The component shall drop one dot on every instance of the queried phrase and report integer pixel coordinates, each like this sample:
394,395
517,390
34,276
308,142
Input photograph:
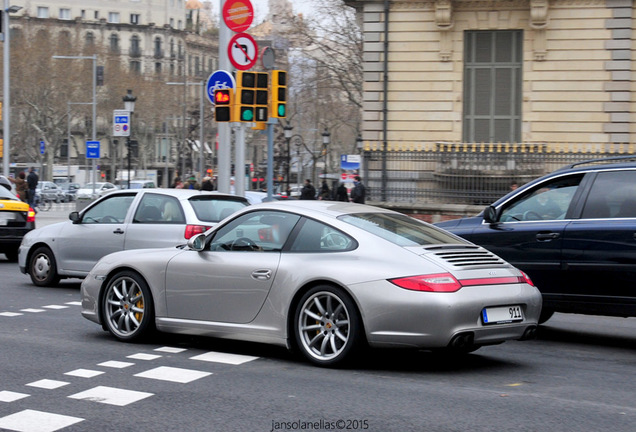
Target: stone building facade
554,72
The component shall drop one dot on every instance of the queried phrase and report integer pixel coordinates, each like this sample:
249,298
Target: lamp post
129,105
6,88
326,139
287,130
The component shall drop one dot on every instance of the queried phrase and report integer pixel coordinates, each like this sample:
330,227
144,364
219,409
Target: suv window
613,195
549,201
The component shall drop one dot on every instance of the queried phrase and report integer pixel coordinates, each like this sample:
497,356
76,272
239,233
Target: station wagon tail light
31,215
442,282
192,230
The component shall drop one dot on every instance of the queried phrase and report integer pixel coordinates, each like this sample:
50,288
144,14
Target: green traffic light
247,114
281,110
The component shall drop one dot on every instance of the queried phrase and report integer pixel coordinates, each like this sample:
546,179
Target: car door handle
118,231
547,236
262,274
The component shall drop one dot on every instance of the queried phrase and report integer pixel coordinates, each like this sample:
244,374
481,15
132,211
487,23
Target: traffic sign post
121,123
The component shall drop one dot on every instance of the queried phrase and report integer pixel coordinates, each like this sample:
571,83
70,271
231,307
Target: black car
573,232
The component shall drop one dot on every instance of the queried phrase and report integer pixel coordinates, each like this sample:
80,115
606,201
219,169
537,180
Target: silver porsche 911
322,277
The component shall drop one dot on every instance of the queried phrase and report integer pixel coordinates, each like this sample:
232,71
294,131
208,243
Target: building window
114,43
83,14
492,86
197,66
171,22
134,18
90,39
96,14
135,66
135,46
43,12
158,68
171,69
65,14
158,47
113,17
180,26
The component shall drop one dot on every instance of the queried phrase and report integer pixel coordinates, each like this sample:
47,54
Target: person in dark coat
32,182
308,192
359,192
325,192
341,193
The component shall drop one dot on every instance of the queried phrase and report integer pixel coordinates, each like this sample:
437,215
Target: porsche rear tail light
526,278
441,282
192,230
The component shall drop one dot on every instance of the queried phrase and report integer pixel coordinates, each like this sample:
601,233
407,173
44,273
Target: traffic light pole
224,162
239,160
270,157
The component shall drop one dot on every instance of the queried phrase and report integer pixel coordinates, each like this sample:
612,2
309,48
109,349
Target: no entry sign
242,51
238,15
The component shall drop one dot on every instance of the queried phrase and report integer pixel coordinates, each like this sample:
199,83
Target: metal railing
467,173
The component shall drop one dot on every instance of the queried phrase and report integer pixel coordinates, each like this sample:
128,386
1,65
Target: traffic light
279,94
245,96
223,104
261,99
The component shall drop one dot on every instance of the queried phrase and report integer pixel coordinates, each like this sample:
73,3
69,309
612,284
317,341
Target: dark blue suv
573,232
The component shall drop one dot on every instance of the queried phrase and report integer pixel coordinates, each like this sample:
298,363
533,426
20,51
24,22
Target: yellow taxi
16,219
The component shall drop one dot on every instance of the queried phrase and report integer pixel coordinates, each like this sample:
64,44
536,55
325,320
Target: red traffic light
222,96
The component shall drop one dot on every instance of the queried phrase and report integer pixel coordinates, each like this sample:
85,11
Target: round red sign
238,15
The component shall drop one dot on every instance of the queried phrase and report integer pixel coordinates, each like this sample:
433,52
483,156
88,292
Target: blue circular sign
219,79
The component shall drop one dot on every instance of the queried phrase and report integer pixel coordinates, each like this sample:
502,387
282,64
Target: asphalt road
62,372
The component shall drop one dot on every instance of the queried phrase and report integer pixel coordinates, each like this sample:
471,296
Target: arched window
114,43
158,47
172,53
90,39
135,46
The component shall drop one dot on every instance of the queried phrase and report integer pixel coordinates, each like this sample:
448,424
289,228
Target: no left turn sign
242,51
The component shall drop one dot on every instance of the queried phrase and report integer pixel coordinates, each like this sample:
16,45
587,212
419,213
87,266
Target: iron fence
474,174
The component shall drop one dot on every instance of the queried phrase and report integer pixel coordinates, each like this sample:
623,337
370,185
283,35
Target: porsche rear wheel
127,308
327,326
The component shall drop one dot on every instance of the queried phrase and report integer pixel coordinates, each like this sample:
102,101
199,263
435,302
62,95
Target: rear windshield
215,209
400,229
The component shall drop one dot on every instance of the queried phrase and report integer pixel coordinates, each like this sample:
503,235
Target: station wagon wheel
43,268
127,308
327,326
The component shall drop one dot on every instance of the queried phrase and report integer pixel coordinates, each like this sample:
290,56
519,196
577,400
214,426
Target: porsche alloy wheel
327,326
127,306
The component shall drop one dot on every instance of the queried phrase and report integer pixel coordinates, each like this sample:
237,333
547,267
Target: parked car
88,191
573,231
320,276
16,219
125,219
49,191
140,184
70,190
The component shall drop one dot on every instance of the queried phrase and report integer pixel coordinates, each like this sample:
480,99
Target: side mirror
75,217
197,243
490,214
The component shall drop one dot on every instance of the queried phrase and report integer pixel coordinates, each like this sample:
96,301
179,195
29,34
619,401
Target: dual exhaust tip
465,341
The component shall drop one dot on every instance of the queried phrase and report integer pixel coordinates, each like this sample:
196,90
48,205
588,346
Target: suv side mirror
490,214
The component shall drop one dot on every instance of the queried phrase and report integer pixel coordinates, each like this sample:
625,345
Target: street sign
242,51
42,147
92,149
121,123
238,15
218,80
350,162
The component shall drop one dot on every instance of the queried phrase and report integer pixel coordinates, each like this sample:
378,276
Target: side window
258,231
317,237
109,211
613,195
548,201
159,209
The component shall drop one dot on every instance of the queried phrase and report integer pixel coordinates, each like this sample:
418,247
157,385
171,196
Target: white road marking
37,421
172,374
217,357
111,396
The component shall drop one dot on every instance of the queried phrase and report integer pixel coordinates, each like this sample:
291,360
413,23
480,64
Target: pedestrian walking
325,192
21,186
341,193
358,194
32,182
308,192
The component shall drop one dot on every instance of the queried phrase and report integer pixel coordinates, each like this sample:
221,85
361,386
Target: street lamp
359,143
287,130
129,105
6,89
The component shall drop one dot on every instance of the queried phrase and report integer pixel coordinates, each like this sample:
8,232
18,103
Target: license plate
5,218
501,315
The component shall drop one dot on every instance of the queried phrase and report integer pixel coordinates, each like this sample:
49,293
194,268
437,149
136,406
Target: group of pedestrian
358,193
25,186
